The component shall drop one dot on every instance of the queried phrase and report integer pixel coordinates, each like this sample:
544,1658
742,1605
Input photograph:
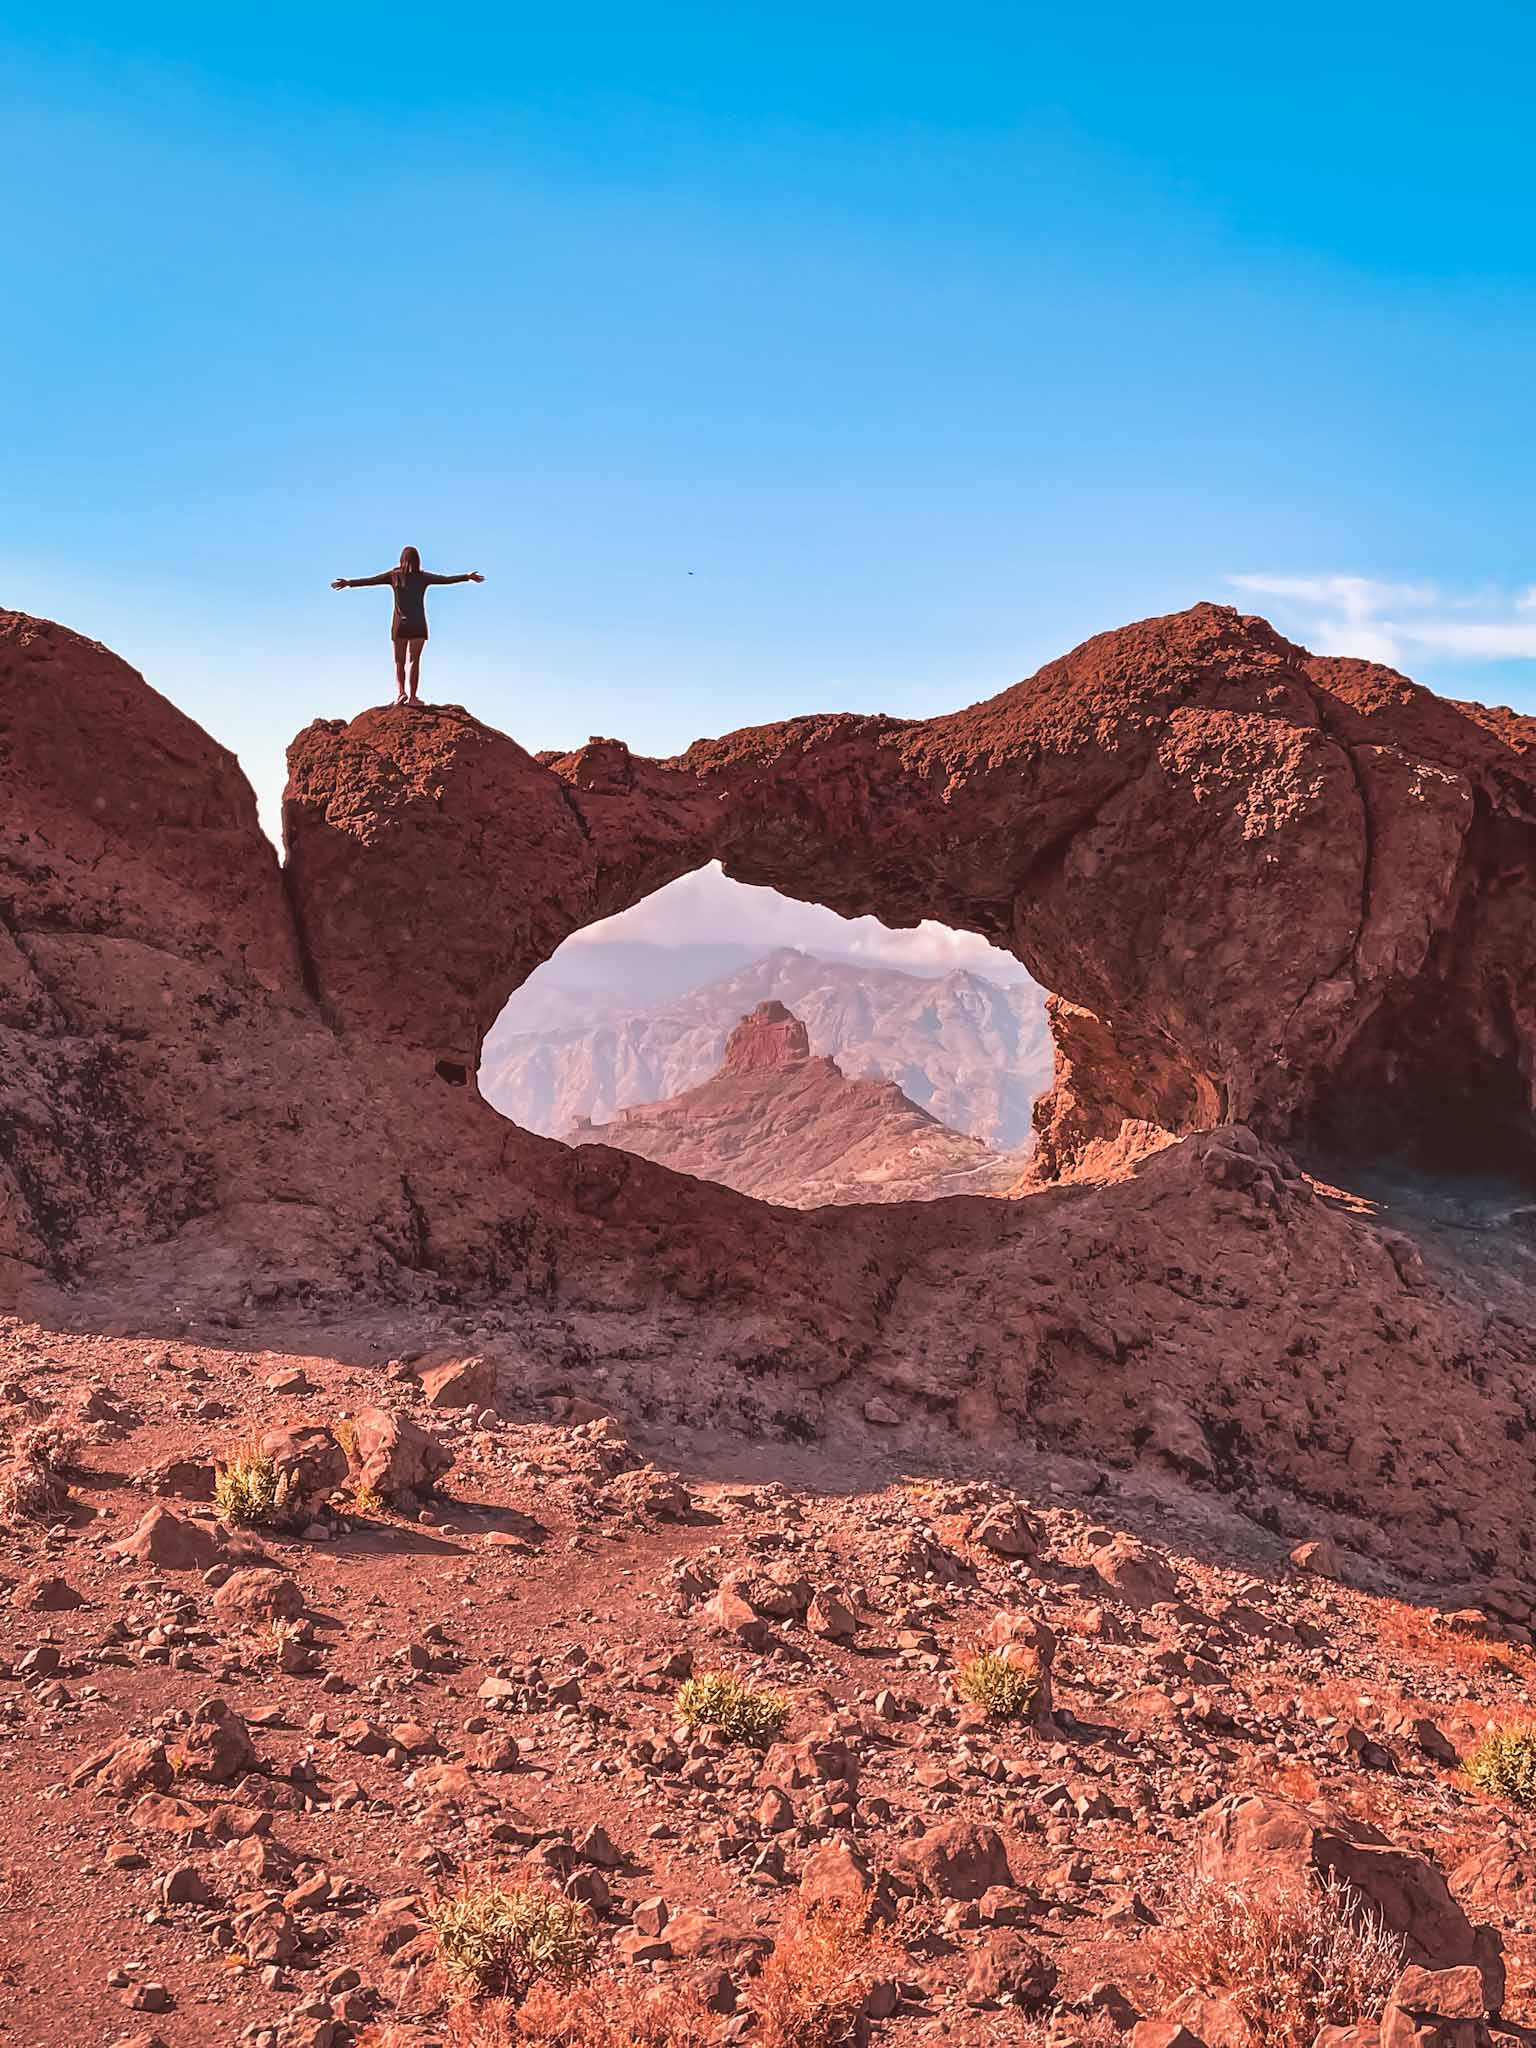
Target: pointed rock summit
771,1036
777,1122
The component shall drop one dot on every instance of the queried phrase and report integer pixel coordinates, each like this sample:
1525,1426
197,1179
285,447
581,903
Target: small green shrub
713,1699
251,1491
1003,1688
1504,1763
501,1941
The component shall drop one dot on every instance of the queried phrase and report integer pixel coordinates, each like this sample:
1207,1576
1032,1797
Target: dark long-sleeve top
410,587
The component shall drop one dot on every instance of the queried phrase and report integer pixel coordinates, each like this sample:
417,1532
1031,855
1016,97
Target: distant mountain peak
772,1036
778,1122
970,1052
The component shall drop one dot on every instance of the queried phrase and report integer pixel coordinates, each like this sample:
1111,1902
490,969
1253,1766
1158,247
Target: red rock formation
158,1047
775,1123
771,1037
1272,890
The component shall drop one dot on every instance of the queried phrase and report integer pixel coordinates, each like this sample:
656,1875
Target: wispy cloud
707,906
1394,622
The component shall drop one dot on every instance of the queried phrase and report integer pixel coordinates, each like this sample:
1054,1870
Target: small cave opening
454,1072
741,1036
1415,1092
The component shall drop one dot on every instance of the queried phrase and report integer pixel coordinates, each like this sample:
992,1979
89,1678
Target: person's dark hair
410,558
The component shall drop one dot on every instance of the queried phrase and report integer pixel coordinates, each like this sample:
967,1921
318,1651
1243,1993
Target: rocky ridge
972,1053
776,1123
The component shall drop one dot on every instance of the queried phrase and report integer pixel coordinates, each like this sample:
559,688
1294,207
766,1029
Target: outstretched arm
360,582
474,576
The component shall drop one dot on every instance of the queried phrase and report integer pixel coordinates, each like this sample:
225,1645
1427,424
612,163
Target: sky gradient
764,359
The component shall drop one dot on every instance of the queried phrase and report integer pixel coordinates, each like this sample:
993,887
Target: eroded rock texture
163,1062
1274,894
1266,887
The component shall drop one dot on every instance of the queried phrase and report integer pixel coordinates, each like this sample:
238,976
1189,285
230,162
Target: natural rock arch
1266,887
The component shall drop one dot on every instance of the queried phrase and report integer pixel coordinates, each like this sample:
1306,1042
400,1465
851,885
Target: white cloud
1489,640
1394,622
707,906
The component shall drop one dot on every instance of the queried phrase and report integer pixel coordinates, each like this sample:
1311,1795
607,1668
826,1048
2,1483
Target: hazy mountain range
598,1035
777,1122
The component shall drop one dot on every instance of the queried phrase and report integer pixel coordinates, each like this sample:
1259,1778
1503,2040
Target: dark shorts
409,629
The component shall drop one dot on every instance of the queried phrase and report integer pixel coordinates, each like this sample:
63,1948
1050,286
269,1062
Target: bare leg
399,671
415,646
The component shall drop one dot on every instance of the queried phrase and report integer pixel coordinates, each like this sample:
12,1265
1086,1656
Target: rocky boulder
1007,1531
460,1383
395,1456
258,1595
956,1860
309,1461
215,1745
1006,1966
1134,1574
1257,1842
170,1543
1437,2009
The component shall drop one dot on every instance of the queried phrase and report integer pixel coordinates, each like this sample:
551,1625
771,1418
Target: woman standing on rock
408,629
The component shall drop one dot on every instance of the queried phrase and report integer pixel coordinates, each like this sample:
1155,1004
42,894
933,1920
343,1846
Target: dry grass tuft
607,2012
1504,1763
1004,1689
816,1983
618,2012
250,1491
1289,1964
713,1699
500,1941
33,1482
1420,1635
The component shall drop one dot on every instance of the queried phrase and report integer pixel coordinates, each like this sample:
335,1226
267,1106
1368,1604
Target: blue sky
764,359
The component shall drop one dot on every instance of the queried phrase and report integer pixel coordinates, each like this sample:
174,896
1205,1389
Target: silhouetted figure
408,628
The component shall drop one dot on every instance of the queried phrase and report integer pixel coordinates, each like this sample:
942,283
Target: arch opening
779,1049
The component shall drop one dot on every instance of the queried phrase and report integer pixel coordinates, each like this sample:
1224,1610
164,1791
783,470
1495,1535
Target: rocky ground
241,1765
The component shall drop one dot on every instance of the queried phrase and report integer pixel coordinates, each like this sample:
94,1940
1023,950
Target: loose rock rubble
243,1764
